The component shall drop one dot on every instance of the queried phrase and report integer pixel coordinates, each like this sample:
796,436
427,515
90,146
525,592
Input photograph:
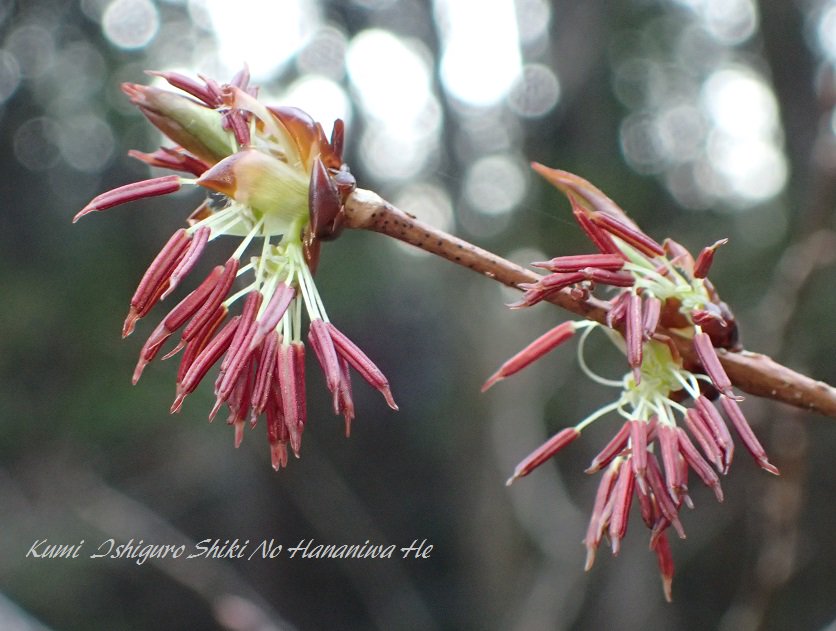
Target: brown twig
753,373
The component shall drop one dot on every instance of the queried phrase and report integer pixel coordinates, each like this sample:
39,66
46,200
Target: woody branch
753,373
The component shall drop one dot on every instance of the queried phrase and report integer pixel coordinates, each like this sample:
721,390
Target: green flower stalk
277,184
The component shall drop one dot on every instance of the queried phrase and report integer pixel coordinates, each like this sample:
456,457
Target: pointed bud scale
534,351
323,200
705,258
719,431
665,559
698,463
711,363
301,128
349,351
195,127
623,498
337,139
204,361
633,335
629,234
576,263
638,447
596,522
271,187
543,453
131,192
611,450
732,410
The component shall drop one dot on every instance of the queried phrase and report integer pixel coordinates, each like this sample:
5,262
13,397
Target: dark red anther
711,363
198,243
349,351
273,312
733,411
131,192
629,234
634,335
156,279
326,354
207,310
543,453
265,376
239,352
346,402
323,200
638,447
609,277
651,310
235,121
174,320
670,453
599,238
698,463
167,158
199,342
290,381
599,519
663,499
622,499
705,258
577,262
719,431
665,559
534,351
703,435
611,450
553,282
204,361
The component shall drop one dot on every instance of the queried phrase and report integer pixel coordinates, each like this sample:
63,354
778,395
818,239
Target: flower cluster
659,289
269,174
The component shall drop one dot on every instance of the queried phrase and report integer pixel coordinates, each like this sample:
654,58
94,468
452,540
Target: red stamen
611,450
698,463
609,277
633,335
665,559
543,453
349,351
577,262
699,430
629,234
265,377
598,520
623,498
711,363
534,351
198,243
718,429
638,447
733,411
131,192
706,258
650,316
207,310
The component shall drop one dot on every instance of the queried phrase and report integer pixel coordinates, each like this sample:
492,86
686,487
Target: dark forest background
703,119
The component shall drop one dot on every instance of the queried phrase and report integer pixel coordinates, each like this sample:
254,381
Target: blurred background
703,118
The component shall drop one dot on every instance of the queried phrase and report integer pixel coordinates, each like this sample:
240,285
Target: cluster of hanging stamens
660,289
269,174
